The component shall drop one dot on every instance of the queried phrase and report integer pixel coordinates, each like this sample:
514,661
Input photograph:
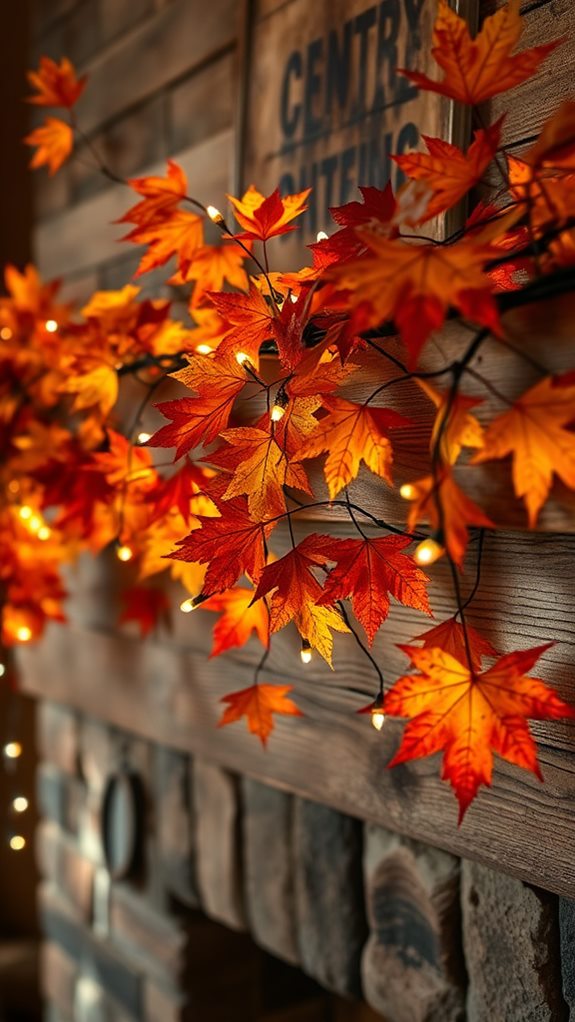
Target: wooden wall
163,83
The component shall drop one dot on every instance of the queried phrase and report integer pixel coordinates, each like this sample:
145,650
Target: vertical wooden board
325,106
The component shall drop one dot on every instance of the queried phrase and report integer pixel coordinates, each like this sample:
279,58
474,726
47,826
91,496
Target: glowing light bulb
407,491
35,523
23,633
322,236
305,652
428,551
294,299
214,215
124,552
44,533
5,333
242,358
25,512
144,437
277,413
20,804
17,842
204,349
377,719
12,750
187,606
2,670
377,714
51,326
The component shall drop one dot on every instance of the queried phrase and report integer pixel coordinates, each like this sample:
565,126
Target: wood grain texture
61,243
329,755
184,35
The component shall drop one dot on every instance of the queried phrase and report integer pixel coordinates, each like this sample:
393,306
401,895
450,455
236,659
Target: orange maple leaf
55,141
450,637
178,233
369,571
415,284
447,171
469,716
261,470
459,511
231,545
534,432
264,218
160,195
460,429
258,703
57,84
477,69
96,388
213,266
352,433
240,617
249,321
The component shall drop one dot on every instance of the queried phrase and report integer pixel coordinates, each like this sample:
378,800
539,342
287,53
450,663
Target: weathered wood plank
61,242
184,35
329,755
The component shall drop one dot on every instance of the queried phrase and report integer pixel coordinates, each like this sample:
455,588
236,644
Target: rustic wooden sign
325,107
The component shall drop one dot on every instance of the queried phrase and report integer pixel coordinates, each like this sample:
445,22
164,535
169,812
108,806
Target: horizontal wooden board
184,35
330,755
86,235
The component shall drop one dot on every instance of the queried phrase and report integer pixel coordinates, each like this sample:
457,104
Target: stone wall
414,933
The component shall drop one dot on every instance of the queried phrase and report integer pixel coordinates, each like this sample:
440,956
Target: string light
204,349
186,606
20,804
428,551
377,714
124,552
242,358
214,215
2,670
23,633
51,326
322,236
25,512
277,413
144,437
44,532
12,750
305,652
17,842
408,491
5,333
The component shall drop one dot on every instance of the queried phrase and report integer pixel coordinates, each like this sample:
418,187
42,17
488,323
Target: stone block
60,862
155,942
60,797
567,934
411,965
268,868
331,923
511,941
58,736
58,975
174,824
217,844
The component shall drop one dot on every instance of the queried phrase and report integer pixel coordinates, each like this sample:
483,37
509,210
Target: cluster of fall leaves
246,427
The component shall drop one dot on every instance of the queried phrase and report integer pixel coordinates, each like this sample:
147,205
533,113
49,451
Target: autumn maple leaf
239,618
352,433
369,571
258,703
469,716
458,511
415,284
194,421
55,141
261,470
534,432
450,636
454,426
213,266
448,171
180,490
95,388
160,195
177,233
477,69
124,463
232,545
264,218
249,321
147,606
57,84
